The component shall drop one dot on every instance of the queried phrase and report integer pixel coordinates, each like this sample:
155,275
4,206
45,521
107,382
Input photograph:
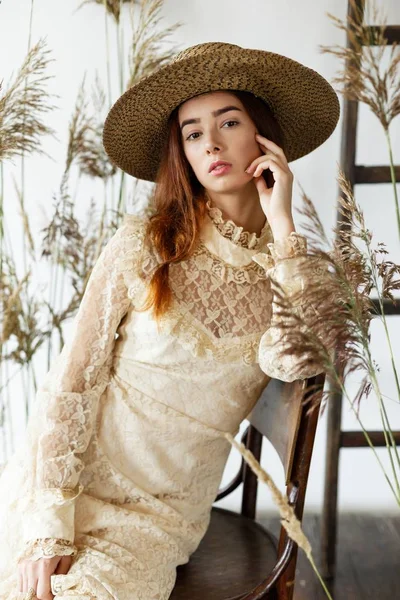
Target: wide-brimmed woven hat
302,101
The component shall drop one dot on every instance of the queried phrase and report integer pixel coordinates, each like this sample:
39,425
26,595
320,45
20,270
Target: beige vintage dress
125,448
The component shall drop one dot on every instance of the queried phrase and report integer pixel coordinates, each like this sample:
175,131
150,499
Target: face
215,126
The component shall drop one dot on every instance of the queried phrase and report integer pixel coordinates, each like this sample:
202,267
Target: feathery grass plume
337,314
22,335
8,144
74,247
113,7
20,311
146,53
82,245
23,105
384,277
332,312
297,327
362,78
79,249
63,241
92,158
10,300
81,126
327,324
63,222
387,270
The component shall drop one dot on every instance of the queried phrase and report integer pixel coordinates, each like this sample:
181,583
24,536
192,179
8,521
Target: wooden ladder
336,438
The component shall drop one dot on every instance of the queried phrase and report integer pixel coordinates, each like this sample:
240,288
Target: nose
212,142
213,148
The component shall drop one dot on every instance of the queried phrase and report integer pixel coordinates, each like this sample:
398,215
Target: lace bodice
223,308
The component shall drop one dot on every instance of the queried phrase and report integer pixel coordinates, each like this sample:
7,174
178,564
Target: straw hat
302,101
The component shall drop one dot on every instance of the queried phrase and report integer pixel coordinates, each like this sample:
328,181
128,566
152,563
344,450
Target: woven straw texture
303,102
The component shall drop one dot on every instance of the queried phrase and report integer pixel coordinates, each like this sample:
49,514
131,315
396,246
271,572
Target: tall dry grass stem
362,76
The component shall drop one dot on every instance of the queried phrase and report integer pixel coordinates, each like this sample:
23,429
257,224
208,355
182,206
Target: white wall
295,29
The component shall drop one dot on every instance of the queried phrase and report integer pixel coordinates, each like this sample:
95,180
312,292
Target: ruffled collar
229,242
236,233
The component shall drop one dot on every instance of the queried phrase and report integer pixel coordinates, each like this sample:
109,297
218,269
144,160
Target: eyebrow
215,113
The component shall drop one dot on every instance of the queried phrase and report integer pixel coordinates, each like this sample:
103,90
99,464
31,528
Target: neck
241,206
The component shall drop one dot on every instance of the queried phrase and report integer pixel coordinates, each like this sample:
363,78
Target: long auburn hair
179,199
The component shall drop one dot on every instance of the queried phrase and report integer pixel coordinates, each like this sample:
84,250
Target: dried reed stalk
113,7
24,104
146,52
288,519
362,77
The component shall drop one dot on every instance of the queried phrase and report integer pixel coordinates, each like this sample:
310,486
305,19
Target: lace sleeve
47,548
283,264
65,407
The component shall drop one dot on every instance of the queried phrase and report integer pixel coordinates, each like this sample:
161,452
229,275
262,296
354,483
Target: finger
20,583
24,578
268,164
20,578
43,585
261,185
63,566
260,159
32,582
269,144
31,575
275,166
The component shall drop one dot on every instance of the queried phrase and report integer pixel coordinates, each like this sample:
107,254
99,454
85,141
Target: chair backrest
277,416
283,415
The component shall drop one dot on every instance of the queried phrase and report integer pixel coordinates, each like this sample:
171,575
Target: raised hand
276,201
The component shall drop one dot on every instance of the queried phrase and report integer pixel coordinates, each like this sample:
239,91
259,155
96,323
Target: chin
230,183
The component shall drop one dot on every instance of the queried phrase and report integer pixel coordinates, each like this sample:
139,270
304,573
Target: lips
218,163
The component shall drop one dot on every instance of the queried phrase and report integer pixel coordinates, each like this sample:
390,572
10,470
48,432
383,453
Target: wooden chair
238,559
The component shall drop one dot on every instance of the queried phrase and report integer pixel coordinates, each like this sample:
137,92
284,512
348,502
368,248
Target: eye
231,122
196,132
190,136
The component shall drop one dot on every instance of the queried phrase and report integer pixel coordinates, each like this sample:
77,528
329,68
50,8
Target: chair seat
234,556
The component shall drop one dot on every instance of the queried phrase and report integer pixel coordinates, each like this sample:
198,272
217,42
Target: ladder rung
390,32
375,174
388,306
356,439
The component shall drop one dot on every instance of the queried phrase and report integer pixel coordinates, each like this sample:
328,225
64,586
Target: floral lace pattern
47,548
66,403
295,245
227,301
235,233
125,447
218,309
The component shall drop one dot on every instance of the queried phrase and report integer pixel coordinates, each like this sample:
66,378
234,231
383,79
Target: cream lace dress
125,449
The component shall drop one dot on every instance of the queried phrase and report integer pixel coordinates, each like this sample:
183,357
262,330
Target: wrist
282,228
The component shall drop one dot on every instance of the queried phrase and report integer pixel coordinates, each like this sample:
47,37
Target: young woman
126,446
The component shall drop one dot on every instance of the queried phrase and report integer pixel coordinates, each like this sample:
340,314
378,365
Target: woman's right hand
36,574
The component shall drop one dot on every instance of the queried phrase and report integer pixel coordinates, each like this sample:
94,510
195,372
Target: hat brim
303,102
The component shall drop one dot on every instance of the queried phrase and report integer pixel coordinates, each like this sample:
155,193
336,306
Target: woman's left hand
276,201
